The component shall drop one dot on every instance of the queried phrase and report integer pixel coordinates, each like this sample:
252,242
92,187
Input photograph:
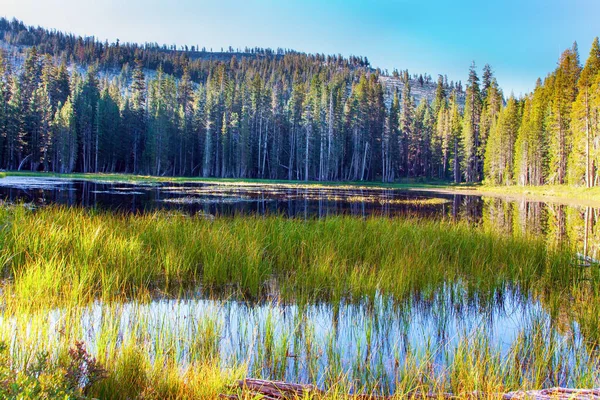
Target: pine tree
65,138
389,148
563,92
456,126
492,103
4,109
472,160
441,142
85,104
500,148
109,126
581,164
15,125
406,128
137,125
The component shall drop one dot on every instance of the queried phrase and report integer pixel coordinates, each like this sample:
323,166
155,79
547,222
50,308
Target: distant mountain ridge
16,38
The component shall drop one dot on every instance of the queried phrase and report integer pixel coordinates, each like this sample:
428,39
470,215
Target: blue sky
521,39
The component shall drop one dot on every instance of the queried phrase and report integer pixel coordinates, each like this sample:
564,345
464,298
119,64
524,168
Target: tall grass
73,256
150,353
73,274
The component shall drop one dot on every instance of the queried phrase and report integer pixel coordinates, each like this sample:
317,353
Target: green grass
545,191
107,256
67,259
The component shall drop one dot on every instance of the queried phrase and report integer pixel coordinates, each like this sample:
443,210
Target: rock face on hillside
419,92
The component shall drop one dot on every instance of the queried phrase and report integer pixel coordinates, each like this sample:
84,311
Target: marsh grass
150,359
59,262
99,255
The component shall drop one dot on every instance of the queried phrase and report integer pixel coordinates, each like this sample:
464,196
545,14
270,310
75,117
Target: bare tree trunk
588,177
259,142
330,135
456,163
292,150
308,132
364,162
264,154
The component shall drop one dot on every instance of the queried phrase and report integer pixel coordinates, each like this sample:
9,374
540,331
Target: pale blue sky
521,39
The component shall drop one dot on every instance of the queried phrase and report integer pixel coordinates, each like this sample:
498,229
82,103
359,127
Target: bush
44,379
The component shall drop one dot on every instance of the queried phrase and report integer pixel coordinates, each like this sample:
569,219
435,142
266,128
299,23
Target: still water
368,342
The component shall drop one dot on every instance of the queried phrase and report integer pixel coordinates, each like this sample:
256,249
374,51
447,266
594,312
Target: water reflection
367,342
561,224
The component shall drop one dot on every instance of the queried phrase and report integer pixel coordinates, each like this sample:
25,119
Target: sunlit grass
107,256
564,192
58,262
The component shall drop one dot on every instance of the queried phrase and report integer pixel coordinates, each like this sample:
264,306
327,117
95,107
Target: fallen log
556,393
277,390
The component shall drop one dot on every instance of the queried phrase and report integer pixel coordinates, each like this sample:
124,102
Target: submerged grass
60,263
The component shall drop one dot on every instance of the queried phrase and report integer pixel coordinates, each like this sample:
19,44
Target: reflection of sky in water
437,325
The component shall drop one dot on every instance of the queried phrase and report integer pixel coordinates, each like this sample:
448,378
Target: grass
546,191
108,256
65,267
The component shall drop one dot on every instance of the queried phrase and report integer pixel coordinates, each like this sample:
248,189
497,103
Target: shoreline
557,194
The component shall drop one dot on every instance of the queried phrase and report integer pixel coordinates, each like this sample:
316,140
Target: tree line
286,115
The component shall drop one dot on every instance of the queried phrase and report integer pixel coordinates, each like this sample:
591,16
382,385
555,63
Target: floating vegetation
204,200
117,192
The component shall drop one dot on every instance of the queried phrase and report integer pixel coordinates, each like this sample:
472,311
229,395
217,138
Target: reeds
105,256
129,287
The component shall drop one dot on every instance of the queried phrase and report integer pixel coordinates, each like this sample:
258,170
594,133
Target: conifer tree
456,127
65,138
137,123
406,127
471,162
563,91
500,148
583,130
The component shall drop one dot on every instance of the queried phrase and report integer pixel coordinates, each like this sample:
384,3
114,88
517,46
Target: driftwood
555,394
274,390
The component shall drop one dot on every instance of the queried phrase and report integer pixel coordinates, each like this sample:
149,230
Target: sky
520,39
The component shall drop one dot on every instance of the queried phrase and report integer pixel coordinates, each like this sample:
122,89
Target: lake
370,342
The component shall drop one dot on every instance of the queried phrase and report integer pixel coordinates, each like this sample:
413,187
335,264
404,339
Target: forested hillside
280,114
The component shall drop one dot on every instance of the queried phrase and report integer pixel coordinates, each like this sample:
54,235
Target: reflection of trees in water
582,230
556,228
498,215
561,225
467,208
572,299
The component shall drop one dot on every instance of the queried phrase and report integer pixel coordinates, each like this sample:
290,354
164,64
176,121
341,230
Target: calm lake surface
307,340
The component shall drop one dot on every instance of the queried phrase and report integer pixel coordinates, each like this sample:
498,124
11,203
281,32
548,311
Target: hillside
16,38
75,104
